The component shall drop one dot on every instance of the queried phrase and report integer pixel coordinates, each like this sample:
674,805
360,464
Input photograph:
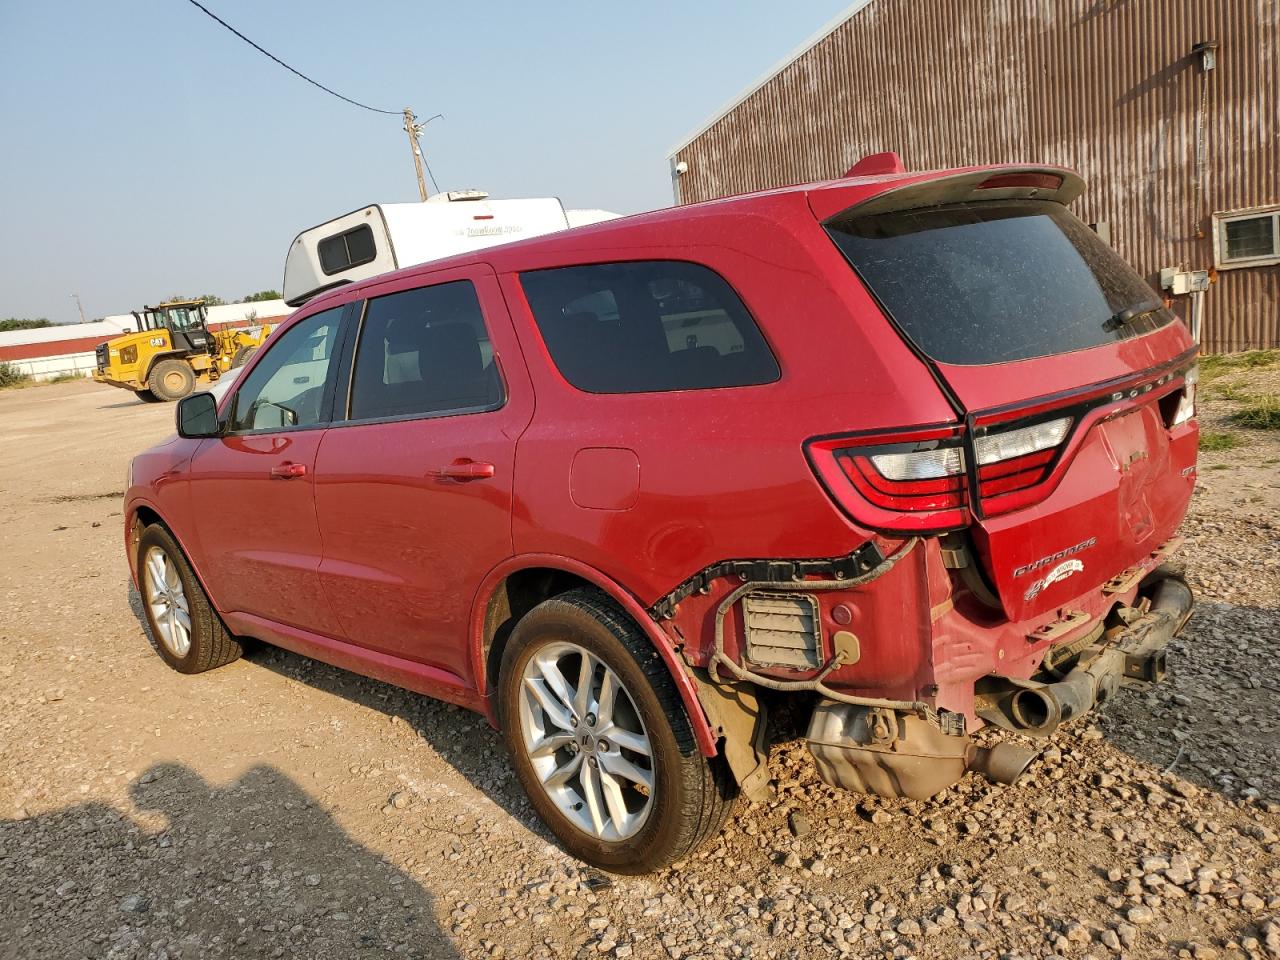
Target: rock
1140,914
1077,932
399,800
1179,870
135,903
908,928
798,824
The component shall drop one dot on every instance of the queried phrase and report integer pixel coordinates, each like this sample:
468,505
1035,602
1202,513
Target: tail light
918,480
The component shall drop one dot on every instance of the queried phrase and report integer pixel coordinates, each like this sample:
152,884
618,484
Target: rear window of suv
983,283
647,327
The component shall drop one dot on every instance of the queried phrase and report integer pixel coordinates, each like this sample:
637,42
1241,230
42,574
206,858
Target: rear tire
146,396
171,380
681,798
242,356
189,635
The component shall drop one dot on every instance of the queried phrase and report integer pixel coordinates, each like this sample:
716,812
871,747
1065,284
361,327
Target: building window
346,250
1249,238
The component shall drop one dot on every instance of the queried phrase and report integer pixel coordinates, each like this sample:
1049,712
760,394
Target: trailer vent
782,630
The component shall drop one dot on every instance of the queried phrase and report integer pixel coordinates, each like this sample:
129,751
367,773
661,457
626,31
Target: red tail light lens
918,480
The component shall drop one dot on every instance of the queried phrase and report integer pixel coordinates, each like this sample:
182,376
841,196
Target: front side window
346,250
647,327
286,387
1248,239
990,282
424,352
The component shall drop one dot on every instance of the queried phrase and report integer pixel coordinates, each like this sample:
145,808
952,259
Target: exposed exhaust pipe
1003,763
1136,654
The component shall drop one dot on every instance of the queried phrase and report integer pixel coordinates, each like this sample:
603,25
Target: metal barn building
1170,110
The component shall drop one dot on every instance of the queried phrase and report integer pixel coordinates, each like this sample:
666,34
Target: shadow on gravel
216,879
461,738
1215,719
134,401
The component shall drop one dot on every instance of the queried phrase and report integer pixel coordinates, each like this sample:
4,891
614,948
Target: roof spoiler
876,165
1011,182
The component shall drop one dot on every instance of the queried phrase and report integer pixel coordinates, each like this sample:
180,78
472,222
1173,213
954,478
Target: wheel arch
139,515
173,354
516,586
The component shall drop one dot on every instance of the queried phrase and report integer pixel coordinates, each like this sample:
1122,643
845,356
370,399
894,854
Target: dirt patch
82,497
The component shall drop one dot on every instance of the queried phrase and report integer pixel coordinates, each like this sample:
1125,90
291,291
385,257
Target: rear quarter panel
721,473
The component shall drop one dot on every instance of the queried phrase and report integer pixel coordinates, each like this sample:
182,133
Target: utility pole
76,298
414,130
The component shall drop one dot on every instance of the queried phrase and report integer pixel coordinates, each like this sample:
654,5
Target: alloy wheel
167,601
586,742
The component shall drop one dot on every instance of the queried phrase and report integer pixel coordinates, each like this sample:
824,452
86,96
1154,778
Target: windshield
184,318
980,283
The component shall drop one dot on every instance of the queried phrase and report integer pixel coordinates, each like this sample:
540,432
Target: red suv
910,448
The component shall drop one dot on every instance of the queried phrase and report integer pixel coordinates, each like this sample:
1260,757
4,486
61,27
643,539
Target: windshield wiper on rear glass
1130,314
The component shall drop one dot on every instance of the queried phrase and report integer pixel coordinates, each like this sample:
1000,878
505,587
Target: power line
298,73
435,186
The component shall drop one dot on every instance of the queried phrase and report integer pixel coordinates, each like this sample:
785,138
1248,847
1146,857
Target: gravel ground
280,808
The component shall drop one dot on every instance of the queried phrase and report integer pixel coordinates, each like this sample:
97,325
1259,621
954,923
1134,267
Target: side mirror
198,416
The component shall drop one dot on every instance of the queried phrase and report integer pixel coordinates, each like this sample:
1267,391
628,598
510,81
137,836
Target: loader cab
185,320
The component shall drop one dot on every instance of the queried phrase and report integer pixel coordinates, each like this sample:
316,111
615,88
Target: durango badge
1063,570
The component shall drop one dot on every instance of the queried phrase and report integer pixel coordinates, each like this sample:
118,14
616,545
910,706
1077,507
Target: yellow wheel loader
173,349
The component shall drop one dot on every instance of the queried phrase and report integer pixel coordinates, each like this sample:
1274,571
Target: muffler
890,754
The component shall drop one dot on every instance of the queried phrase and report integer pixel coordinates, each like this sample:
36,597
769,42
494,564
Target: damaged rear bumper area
892,753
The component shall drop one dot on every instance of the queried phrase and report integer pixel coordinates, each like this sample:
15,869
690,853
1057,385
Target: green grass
1235,390
11,376
65,377
1214,441
1216,364
1259,413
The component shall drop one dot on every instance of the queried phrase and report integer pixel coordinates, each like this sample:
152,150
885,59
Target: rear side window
646,327
990,282
346,250
424,352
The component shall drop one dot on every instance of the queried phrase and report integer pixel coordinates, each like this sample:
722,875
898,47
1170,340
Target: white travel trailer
387,236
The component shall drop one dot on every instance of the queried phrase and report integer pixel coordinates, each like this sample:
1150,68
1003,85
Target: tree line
29,323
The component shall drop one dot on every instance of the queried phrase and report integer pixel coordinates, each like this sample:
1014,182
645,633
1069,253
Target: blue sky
147,151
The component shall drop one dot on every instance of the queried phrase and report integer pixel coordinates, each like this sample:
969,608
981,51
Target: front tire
600,740
189,634
242,356
171,380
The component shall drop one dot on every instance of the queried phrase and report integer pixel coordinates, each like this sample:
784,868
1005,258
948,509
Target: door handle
465,470
287,471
